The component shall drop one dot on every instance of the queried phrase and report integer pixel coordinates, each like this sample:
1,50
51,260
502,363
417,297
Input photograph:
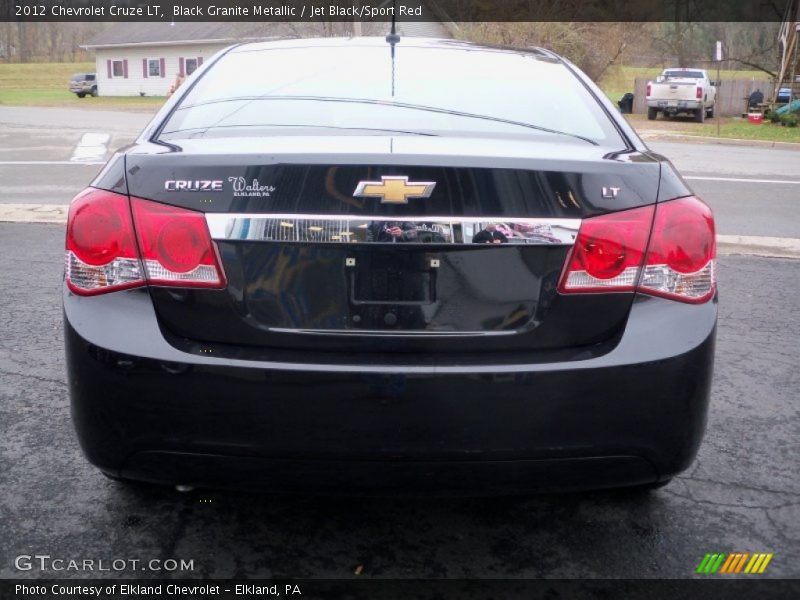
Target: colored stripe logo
736,562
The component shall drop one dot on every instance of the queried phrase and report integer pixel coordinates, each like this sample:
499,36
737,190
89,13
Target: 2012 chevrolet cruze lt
361,265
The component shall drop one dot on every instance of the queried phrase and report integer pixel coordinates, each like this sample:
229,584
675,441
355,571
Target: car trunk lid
311,264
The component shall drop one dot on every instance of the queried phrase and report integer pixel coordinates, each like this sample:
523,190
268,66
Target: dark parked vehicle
276,286
83,84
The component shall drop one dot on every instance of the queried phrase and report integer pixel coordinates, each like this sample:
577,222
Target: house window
154,67
191,66
117,69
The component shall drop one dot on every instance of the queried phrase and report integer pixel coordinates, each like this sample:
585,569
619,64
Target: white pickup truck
682,91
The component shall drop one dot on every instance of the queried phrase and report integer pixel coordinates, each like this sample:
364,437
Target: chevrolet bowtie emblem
394,190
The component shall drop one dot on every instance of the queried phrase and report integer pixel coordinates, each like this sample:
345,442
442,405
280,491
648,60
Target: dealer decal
250,189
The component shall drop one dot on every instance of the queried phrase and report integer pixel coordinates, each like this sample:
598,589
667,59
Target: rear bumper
145,410
421,477
675,105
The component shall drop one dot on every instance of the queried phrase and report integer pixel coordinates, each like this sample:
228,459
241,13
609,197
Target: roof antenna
393,38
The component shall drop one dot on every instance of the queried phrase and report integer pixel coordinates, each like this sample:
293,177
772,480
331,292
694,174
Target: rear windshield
686,74
361,90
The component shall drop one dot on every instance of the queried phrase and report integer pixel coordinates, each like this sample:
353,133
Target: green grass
620,79
45,84
733,128
743,130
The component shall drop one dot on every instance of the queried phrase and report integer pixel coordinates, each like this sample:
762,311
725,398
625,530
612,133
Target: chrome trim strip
420,230
392,333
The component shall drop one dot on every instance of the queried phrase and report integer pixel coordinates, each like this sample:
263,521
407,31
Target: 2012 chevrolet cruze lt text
370,266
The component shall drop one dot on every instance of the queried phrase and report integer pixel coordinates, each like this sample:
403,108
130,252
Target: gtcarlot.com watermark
47,563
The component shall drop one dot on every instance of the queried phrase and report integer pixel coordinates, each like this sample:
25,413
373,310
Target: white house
144,59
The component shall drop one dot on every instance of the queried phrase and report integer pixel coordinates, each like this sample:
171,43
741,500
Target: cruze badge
193,185
393,189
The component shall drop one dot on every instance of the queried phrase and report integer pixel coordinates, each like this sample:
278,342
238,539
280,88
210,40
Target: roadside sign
718,58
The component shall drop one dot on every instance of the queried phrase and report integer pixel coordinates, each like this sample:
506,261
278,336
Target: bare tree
23,45
753,45
594,47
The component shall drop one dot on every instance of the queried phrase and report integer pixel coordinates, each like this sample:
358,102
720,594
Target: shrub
789,120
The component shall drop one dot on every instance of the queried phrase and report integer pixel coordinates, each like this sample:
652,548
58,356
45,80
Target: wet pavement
742,494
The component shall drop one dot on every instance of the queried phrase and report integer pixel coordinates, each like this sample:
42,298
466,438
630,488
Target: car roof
380,42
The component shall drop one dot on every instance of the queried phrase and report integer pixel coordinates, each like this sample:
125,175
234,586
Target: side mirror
660,79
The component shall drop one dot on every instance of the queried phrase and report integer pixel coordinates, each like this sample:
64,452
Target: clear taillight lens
612,254
681,256
168,246
101,248
176,246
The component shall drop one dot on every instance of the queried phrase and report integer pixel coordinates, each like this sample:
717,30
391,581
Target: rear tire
710,112
80,94
652,113
646,488
94,92
117,479
111,477
700,115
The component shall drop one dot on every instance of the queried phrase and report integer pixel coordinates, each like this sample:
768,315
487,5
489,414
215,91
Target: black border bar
716,588
380,11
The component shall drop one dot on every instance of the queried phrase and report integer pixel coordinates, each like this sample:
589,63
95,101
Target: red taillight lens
681,256
176,246
649,89
609,253
101,247
699,93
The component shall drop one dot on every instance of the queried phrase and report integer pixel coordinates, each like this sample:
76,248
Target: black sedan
364,265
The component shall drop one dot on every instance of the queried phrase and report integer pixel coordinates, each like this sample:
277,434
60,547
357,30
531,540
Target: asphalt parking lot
742,494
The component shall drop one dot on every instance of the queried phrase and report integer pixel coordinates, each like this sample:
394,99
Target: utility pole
356,23
718,58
